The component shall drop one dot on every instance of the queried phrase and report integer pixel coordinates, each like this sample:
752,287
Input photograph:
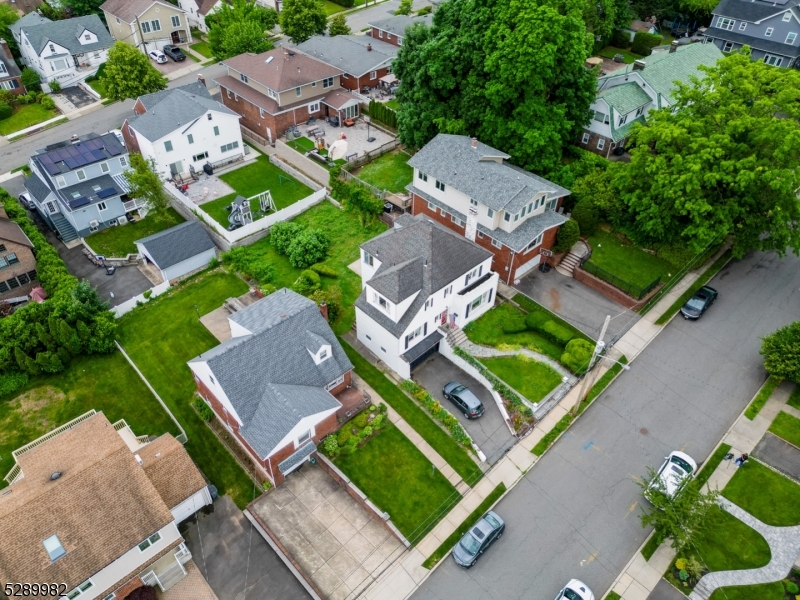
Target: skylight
54,548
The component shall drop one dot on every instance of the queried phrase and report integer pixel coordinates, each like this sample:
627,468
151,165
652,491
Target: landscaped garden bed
390,172
119,241
441,414
305,145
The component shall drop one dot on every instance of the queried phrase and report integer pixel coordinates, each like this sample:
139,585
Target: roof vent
138,459
269,59
55,475
474,143
639,65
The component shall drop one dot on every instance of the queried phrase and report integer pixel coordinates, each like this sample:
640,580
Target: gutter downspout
510,266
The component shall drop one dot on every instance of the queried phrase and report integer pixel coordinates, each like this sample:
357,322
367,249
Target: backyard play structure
241,209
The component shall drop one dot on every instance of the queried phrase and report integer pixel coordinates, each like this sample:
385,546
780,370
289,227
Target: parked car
699,303
174,52
479,537
575,590
464,399
157,56
25,200
677,470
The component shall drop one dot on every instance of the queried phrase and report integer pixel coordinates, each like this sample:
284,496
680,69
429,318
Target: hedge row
380,112
440,413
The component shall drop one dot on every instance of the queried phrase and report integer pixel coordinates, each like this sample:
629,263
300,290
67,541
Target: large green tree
511,73
129,74
338,26
8,16
240,27
300,19
79,8
781,352
145,184
725,163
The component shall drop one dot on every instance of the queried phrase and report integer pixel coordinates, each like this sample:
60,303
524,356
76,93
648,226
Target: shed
178,250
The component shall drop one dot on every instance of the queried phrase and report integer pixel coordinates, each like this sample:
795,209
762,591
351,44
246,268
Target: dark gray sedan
699,303
479,537
467,402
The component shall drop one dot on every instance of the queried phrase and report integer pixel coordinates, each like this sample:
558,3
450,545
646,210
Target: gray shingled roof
176,244
752,10
29,20
404,253
477,173
757,43
37,187
269,376
66,33
297,457
399,23
173,109
349,52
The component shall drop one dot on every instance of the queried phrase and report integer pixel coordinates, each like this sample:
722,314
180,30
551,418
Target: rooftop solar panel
72,163
98,154
78,202
114,150
107,193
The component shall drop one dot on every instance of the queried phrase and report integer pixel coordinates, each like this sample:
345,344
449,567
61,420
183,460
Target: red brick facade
19,278
352,83
389,38
591,143
612,292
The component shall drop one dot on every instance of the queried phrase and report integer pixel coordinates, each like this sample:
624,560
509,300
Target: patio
356,136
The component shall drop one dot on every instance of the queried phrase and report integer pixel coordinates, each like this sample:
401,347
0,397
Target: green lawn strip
99,86
213,61
765,494
104,382
389,172
794,399
26,115
627,55
602,383
160,337
202,48
193,57
531,378
455,455
613,596
393,104
763,591
651,546
301,144
400,480
118,241
331,8
762,396
552,435
531,306
787,427
473,517
711,464
701,281
627,262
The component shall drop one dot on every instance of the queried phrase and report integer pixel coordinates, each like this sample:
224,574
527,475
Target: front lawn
103,382
160,338
331,8
118,241
627,56
768,496
253,179
764,591
532,379
787,427
398,478
26,115
202,48
393,104
794,399
99,86
389,172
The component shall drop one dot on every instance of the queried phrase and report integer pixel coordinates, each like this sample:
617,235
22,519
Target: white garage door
188,507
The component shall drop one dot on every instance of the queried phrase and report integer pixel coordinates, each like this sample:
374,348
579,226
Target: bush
380,112
643,42
31,80
791,587
379,421
536,320
267,289
586,215
620,39
55,86
366,432
325,270
557,333
568,234
11,381
360,420
425,10
282,234
308,247
143,593
332,297
344,436
514,326
5,111
345,3
577,355
203,409
307,283
331,445
48,103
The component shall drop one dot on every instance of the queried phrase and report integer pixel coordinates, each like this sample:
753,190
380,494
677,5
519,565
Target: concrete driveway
490,431
235,560
75,97
575,514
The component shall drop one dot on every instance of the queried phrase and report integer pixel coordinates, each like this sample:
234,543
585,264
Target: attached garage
417,355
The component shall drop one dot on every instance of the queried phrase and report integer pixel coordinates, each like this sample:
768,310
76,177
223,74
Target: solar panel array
78,202
77,155
107,193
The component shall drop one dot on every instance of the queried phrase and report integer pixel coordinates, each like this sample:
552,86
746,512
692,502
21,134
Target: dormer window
787,16
54,548
381,301
319,353
88,37
368,259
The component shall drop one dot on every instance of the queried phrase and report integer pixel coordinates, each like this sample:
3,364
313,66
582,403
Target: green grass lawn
765,494
764,591
202,48
26,115
118,241
389,171
99,86
794,399
301,144
532,379
787,427
161,337
393,104
761,397
331,8
253,179
622,259
398,478
711,464
610,51
102,382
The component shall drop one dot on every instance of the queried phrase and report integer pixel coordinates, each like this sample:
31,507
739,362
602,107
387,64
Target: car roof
468,397
580,588
685,457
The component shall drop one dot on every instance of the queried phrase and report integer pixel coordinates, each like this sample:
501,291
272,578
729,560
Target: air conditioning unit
94,224
122,220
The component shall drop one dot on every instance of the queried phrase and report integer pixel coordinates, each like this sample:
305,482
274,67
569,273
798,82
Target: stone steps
568,264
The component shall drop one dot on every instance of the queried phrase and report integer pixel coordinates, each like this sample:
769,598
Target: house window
54,548
111,596
381,301
190,138
480,235
243,77
87,37
149,542
585,138
456,220
81,174
516,217
2,247
168,146
298,91
623,119
229,147
368,259
373,74
327,82
118,21
791,38
413,335
101,206
200,156
216,130
768,32
489,213
97,54
304,437
787,16
431,206
3,68
507,217
535,242
271,93
775,61
156,25
496,244
211,377
176,20
23,279
473,202
145,25
422,176
639,111
742,26
13,283
440,185
726,24
389,37
727,47
52,48
312,108
78,591
380,33
601,143
123,161
104,167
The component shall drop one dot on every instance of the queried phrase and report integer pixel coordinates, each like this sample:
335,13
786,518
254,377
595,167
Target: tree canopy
511,73
145,184
781,352
239,27
300,19
8,16
725,163
338,26
129,74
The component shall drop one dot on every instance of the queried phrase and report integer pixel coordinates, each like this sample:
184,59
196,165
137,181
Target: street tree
338,26
300,19
79,8
239,27
129,74
404,8
724,164
511,73
145,184
781,352
8,16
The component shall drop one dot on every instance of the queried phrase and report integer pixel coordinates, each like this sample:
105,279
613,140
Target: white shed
178,250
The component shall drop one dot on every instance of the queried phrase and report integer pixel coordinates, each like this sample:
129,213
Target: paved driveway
76,97
235,560
490,431
575,514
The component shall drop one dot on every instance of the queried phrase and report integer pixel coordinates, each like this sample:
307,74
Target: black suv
699,303
465,400
174,52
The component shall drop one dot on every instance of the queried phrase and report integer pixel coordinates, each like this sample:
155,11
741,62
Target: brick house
392,29
280,383
10,75
280,88
362,60
471,188
17,262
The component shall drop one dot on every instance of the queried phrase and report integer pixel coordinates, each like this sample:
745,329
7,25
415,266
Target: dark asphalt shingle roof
12,232
349,52
297,457
177,244
757,43
66,33
37,187
754,10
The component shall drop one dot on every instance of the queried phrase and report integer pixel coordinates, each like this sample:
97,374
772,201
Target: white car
157,56
25,200
678,468
575,590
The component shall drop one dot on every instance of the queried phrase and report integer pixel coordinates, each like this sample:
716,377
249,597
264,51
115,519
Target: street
359,20
575,514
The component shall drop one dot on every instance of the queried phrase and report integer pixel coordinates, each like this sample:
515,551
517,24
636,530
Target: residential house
178,251
17,262
280,382
280,88
78,186
362,60
472,189
392,30
182,129
146,24
769,28
94,509
637,26
197,11
625,96
10,75
416,278
65,52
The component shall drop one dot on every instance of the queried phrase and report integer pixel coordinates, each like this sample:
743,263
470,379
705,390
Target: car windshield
492,521
696,303
470,544
677,460
458,389
571,595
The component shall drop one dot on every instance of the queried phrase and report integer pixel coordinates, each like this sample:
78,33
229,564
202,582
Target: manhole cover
643,431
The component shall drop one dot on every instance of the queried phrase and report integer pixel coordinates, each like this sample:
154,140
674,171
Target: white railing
48,436
134,204
121,424
13,474
183,555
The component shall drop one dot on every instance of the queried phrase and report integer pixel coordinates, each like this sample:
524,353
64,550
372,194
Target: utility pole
598,347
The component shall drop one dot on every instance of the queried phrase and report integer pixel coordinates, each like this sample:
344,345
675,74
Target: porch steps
568,264
455,336
171,576
64,228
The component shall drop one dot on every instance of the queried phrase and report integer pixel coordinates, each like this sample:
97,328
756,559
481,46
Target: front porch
353,401
168,570
191,587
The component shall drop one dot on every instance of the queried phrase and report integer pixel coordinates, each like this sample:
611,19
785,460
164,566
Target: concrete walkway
479,351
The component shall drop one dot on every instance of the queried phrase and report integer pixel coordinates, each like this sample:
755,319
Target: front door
176,168
176,37
443,317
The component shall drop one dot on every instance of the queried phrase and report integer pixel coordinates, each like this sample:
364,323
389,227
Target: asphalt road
358,20
575,514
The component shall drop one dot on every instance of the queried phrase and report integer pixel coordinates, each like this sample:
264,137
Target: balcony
131,205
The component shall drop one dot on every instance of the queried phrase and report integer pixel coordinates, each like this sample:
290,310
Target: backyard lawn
389,171
26,115
765,591
532,379
102,382
331,8
627,56
253,179
202,48
160,338
301,144
398,478
794,399
118,241
787,427
393,104
765,494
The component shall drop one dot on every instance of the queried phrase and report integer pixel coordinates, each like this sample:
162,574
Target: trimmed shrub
308,247
48,103
344,436
5,111
557,333
203,409
55,86
360,420
143,593
620,39
379,421
568,234
31,80
331,445
380,112
267,289
11,381
587,216
325,270
281,236
791,587
536,320
643,42
577,355
307,283
425,10
514,326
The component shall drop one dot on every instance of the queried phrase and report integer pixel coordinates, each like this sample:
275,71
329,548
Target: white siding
306,424
187,266
381,343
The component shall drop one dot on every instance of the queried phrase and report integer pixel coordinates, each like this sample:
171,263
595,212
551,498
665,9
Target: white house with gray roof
182,129
392,30
472,189
66,51
417,278
179,250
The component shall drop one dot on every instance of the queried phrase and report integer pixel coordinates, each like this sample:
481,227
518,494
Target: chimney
639,65
323,309
673,46
369,47
6,51
474,143
201,79
138,459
